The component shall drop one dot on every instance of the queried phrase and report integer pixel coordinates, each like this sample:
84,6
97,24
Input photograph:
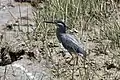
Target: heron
69,41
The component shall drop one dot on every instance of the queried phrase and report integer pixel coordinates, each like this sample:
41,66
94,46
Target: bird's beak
49,22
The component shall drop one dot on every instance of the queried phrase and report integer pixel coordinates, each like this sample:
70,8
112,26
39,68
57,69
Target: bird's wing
72,44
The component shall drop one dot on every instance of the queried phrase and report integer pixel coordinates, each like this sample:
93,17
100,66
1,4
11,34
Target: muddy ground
33,60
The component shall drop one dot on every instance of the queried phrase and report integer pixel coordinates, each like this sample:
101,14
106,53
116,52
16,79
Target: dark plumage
68,41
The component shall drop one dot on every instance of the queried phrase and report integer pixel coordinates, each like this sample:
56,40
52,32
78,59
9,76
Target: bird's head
58,23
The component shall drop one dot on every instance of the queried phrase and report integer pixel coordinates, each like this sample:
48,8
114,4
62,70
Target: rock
8,56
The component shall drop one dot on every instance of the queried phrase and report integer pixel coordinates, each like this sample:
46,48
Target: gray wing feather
72,44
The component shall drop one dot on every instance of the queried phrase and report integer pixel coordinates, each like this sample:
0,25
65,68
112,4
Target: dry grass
98,24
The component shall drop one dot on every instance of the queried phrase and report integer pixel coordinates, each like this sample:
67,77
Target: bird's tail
83,54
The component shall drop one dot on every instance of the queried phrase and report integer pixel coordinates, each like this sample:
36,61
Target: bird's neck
59,32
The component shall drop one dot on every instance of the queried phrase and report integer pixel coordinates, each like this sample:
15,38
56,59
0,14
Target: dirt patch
20,59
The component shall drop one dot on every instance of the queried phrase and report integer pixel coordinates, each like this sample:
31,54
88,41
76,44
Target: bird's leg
70,59
76,58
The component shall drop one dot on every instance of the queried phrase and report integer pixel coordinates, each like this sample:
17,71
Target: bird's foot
68,60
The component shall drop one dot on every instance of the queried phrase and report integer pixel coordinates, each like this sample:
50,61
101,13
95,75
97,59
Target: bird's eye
60,24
